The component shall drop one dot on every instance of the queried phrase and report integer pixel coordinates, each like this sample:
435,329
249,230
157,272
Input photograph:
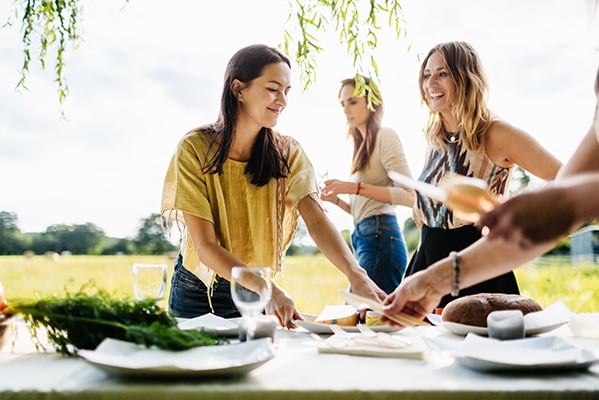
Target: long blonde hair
470,105
363,146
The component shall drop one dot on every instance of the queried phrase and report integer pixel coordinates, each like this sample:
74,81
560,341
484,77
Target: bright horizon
144,74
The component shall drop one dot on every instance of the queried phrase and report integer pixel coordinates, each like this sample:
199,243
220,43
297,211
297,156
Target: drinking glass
149,281
251,288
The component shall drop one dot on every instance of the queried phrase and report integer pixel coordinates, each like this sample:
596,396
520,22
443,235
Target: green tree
151,236
78,239
358,24
119,246
11,239
411,234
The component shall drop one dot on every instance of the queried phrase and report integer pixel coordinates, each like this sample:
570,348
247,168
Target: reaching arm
557,209
212,254
420,293
330,242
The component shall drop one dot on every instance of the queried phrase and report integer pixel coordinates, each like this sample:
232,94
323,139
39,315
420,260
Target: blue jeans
381,250
188,297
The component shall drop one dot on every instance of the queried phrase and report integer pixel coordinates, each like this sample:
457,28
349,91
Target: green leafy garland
83,319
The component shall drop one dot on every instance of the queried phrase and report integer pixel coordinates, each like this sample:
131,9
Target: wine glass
251,288
149,281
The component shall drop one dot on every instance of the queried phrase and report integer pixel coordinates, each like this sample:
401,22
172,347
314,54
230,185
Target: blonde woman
377,240
465,138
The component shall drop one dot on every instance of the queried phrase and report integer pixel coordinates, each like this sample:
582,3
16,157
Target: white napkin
210,323
370,343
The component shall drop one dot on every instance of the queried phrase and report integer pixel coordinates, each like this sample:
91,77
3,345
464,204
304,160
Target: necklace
452,136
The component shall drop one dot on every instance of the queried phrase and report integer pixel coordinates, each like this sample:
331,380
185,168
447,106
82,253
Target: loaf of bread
339,314
473,310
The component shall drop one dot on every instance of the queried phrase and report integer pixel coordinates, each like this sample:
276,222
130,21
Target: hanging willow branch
356,22
56,24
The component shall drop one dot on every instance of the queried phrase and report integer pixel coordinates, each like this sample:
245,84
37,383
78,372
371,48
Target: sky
146,72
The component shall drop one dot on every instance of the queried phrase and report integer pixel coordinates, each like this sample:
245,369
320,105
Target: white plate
128,359
535,323
538,354
315,327
211,323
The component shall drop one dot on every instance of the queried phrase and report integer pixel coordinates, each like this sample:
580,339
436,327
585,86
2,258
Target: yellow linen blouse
254,223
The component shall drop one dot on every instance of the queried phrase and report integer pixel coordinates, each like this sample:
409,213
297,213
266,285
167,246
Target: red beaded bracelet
359,188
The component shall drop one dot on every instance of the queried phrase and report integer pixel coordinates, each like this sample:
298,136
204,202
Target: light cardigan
256,224
387,155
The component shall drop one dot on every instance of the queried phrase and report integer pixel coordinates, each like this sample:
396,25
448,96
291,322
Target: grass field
311,280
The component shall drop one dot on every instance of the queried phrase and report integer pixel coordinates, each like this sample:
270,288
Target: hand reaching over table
282,306
542,215
416,295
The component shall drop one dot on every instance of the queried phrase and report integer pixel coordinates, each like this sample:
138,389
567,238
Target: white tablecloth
298,371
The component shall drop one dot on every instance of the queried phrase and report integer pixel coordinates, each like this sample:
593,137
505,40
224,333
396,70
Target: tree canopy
55,23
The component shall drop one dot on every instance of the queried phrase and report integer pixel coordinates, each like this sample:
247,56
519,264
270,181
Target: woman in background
377,240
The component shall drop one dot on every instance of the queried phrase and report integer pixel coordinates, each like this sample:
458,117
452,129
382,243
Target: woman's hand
414,296
282,306
532,217
362,285
334,187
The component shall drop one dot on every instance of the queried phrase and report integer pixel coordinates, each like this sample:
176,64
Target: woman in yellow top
239,188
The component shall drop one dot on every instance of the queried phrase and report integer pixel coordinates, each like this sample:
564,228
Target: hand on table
282,306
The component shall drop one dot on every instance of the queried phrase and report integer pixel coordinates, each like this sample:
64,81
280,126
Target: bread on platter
474,309
338,314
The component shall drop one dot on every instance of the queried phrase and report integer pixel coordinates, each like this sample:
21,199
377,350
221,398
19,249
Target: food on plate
338,314
373,319
473,310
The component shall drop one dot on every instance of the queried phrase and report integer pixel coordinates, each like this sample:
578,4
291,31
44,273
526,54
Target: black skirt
437,243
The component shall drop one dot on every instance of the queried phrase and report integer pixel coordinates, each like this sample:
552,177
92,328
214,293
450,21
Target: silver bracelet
455,292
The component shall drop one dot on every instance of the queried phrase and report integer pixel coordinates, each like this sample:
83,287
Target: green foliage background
311,280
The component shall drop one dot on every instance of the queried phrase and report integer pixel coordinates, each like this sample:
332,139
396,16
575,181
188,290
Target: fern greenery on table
82,320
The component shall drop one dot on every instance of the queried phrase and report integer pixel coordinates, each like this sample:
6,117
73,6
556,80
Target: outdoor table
298,371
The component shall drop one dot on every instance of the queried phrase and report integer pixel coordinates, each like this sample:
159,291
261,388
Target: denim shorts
189,297
381,250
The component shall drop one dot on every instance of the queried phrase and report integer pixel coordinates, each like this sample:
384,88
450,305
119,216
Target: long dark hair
363,147
266,159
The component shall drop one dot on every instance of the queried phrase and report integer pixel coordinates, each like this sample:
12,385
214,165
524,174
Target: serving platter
535,323
315,327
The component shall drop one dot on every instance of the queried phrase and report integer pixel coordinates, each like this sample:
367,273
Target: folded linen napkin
373,344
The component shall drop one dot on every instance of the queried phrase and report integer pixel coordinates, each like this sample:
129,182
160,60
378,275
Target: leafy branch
357,24
56,22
